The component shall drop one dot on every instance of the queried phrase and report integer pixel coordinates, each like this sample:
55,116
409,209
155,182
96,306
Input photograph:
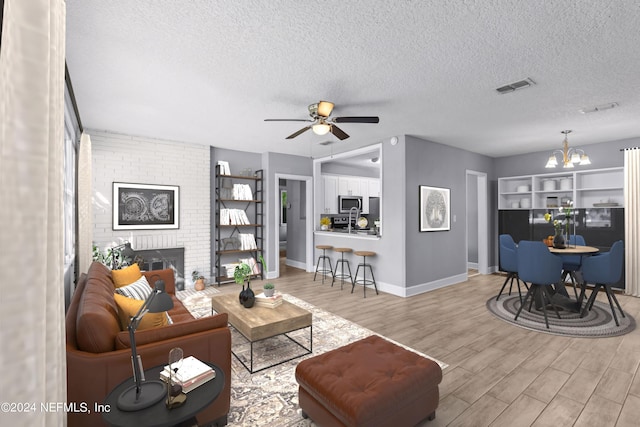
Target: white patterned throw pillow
140,289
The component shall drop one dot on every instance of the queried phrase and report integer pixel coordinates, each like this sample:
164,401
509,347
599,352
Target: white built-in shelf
583,189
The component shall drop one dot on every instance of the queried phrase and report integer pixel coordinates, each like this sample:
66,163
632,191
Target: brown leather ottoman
371,382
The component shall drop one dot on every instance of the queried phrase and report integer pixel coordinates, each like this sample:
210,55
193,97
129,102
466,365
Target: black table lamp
144,393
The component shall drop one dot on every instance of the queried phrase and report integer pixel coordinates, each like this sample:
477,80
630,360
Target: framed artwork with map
435,208
145,206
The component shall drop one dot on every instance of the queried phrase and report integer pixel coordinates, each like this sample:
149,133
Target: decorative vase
559,241
199,286
324,227
269,292
247,297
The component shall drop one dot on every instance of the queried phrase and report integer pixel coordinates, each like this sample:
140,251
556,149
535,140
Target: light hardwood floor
498,374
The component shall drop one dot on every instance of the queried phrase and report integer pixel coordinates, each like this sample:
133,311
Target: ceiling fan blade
287,120
364,119
293,135
339,133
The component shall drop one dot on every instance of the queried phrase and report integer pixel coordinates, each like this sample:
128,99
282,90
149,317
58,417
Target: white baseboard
296,264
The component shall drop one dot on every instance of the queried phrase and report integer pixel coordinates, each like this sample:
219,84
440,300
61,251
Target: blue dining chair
603,271
572,263
541,269
509,264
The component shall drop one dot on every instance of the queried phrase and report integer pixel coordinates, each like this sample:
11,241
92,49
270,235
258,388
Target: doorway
293,219
477,226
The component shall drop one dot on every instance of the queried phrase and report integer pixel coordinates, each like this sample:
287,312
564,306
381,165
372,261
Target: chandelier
570,156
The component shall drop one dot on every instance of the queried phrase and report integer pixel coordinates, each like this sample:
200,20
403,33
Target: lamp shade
584,160
324,109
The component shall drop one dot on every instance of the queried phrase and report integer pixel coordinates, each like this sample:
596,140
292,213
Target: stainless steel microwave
345,203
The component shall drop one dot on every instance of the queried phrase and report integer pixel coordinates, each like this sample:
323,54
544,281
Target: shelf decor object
145,206
570,156
143,393
435,208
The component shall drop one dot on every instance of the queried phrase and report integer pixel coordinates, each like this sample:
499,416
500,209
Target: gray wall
431,256
274,163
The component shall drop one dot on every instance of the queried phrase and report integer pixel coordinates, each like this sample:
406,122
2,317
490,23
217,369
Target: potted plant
325,222
198,280
242,274
268,287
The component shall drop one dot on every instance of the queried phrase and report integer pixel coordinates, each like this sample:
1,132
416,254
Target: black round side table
158,415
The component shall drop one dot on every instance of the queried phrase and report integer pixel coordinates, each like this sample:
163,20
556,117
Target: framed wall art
435,208
145,206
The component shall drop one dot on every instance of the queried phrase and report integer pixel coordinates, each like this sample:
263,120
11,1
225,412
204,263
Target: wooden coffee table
260,323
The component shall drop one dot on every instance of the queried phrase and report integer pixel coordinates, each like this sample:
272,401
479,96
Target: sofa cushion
172,331
129,307
140,289
97,321
126,276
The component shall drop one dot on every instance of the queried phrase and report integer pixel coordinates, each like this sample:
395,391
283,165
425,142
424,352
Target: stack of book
271,302
190,373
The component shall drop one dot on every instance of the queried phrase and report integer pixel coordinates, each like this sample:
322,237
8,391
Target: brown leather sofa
99,355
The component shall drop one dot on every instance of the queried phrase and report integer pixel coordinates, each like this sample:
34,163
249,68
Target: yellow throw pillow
126,276
129,307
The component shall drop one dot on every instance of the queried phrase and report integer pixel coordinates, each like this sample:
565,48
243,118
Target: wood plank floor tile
511,387
580,385
599,412
521,413
546,385
482,413
630,414
561,411
614,385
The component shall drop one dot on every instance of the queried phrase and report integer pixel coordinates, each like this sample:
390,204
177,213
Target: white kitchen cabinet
330,190
374,187
349,186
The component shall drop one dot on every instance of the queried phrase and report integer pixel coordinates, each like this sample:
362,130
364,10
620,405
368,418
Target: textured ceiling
210,72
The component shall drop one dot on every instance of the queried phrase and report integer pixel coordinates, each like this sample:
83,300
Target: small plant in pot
198,280
242,274
269,288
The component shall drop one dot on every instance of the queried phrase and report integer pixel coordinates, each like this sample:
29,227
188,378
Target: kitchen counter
352,235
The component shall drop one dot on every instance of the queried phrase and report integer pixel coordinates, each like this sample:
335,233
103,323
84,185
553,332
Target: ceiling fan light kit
570,156
322,125
321,128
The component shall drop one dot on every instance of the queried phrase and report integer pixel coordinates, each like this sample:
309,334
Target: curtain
85,212
632,221
32,355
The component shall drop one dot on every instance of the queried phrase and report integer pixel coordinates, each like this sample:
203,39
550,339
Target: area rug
597,323
270,397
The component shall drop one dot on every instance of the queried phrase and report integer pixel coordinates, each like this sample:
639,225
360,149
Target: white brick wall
123,158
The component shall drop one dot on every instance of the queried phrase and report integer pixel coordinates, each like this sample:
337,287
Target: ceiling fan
322,125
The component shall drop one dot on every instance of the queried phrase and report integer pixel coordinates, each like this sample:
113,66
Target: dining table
561,296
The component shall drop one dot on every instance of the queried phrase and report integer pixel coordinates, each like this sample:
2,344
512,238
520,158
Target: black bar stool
364,281
342,262
325,259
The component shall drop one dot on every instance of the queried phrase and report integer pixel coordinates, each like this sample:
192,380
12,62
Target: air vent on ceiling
515,86
597,108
